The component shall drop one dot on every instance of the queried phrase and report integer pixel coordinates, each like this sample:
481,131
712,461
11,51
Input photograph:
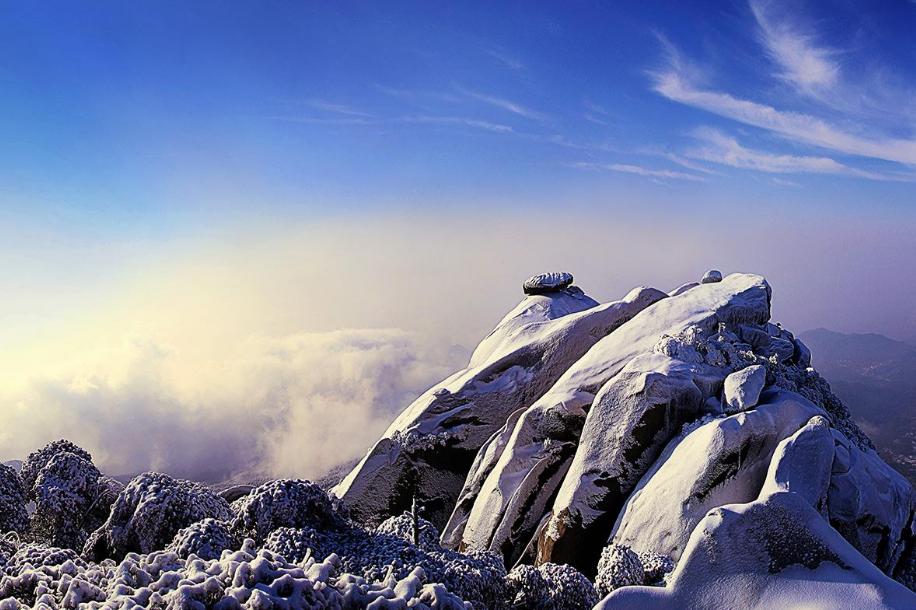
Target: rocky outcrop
428,451
518,492
660,430
723,461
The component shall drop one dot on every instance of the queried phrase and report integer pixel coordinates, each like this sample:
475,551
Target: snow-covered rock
724,461
743,388
712,276
871,505
520,488
547,282
429,449
774,552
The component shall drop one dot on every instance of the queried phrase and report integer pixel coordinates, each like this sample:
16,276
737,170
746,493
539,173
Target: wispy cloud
725,150
324,120
638,170
507,60
336,108
454,120
596,113
416,118
809,67
783,182
506,105
413,95
795,126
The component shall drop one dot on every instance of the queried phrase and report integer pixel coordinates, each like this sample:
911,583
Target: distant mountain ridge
876,377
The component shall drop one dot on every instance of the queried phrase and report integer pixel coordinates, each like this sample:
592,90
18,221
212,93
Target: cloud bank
296,405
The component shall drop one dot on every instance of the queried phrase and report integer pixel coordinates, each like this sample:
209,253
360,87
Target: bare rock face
430,448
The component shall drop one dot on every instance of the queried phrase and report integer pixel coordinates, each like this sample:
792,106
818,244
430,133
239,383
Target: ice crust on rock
429,449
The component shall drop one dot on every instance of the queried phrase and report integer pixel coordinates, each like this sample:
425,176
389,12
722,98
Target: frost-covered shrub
64,491
149,512
549,587
283,503
242,579
477,578
298,543
655,566
13,515
619,567
569,589
207,539
402,527
526,589
39,459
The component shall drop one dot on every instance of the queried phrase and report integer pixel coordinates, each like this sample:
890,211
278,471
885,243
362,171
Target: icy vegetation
666,450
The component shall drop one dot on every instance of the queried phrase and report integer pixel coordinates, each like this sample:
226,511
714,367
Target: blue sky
207,205
115,112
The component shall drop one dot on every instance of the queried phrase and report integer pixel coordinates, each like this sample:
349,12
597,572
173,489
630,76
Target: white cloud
505,104
453,120
296,405
793,126
725,150
807,66
638,170
506,60
336,108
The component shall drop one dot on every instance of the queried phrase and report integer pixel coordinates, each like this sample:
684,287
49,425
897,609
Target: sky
270,225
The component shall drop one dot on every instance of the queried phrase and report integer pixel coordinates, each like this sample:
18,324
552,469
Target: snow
711,277
429,449
724,461
772,553
608,440
549,587
148,513
742,388
547,282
